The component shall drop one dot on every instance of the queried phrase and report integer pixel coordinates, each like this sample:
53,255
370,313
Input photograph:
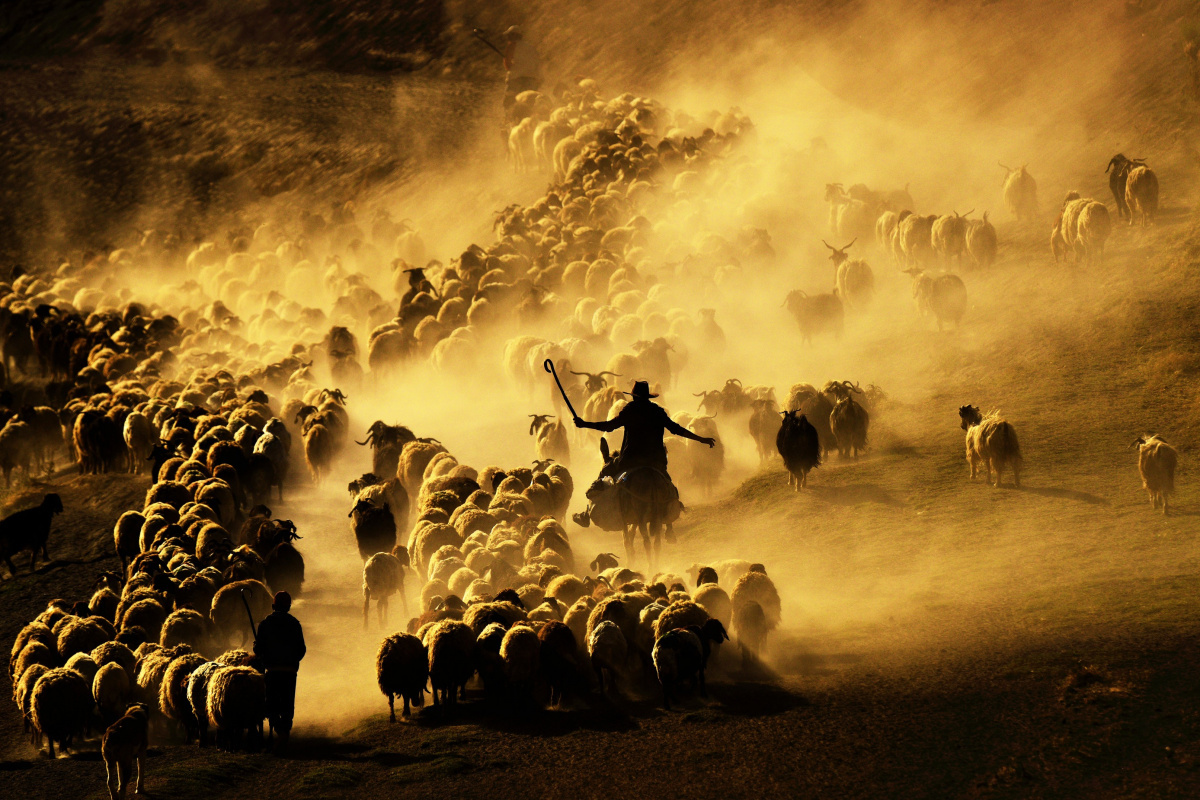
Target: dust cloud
892,552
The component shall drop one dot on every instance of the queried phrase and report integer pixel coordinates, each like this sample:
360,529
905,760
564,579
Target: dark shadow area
854,495
801,662
1065,494
14,766
754,699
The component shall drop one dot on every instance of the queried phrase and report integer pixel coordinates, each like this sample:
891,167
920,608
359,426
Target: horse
646,499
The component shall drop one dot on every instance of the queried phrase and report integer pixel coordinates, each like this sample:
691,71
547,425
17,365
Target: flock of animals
223,385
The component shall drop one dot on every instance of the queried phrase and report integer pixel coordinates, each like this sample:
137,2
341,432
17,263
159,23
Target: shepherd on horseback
636,477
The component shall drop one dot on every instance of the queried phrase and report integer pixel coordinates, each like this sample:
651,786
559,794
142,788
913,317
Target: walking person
280,646
523,66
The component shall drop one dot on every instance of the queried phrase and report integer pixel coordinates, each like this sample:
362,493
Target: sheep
550,443
799,445
374,528
112,690
607,649
185,626
715,601
140,440
383,576
520,652
23,697
943,297
320,446
914,234
981,241
16,449
33,632
451,647
949,236
991,441
750,622
681,654
172,692
228,611
604,561
1156,463
1093,229
402,668
123,749
197,696
1141,194
28,529
755,586
816,315
679,614
849,421
1020,193
82,635
60,706
237,704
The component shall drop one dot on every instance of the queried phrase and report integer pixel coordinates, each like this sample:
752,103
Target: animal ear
604,448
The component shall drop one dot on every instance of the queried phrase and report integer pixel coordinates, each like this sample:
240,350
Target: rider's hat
641,389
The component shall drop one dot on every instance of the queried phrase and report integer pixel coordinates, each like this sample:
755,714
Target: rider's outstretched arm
607,426
677,429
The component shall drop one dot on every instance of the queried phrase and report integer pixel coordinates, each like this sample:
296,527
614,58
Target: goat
991,441
1141,194
943,297
1020,193
1118,174
855,281
800,447
551,439
849,421
1156,462
818,314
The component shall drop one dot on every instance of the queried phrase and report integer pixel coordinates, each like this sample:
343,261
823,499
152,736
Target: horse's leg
627,535
656,533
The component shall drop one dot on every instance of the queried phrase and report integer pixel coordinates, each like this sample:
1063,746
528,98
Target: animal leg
366,606
383,609
392,707
137,765
404,712
114,781
1016,470
627,535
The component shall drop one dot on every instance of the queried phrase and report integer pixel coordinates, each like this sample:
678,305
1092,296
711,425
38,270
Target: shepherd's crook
479,35
548,365
242,594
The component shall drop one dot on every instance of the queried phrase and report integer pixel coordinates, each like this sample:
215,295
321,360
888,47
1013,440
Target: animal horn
827,244
969,213
1004,167
852,241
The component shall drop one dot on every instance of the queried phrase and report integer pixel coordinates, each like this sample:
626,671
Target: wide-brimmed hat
641,390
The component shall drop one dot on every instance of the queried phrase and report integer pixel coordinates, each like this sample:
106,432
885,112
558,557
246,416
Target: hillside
941,638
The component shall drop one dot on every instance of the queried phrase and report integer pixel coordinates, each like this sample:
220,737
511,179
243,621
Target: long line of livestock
237,373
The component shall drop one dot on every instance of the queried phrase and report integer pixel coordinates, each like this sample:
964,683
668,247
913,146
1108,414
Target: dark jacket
645,423
280,641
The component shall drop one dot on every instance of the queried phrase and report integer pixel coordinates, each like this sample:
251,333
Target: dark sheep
28,529
374,528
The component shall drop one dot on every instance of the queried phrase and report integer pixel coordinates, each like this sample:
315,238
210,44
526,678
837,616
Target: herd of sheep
223,384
